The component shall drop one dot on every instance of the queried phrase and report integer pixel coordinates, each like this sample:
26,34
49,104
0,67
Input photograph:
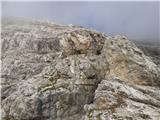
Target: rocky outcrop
57,72
150,49
116,100
129,63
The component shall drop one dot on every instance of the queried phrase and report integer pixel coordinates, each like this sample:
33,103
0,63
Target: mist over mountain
137,20
80,61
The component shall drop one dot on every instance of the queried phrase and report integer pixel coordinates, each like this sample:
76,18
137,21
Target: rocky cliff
67,72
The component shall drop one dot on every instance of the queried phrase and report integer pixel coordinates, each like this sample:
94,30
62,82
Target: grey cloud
137,20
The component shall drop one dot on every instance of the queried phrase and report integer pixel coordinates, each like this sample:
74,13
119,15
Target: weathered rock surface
151,49
57,72
116,100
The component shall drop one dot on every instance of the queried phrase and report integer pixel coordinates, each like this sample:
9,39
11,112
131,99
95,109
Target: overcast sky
136,20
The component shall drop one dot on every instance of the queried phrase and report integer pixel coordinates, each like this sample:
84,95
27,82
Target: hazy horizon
136,20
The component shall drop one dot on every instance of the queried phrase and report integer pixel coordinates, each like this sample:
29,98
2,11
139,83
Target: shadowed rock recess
67,72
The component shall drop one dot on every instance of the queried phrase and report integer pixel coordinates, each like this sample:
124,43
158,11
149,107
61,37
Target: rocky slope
58,72
151,49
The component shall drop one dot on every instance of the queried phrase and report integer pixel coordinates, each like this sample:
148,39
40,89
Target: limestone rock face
129,63
116,100
58,72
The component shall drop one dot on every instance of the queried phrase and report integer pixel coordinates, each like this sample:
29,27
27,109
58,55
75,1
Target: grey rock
116,100
67,72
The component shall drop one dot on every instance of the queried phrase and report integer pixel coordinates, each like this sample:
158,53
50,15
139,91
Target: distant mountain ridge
151,49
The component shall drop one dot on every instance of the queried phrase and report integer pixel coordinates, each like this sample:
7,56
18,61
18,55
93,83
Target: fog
136,20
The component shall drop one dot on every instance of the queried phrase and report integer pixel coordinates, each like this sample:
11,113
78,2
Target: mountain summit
67,72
